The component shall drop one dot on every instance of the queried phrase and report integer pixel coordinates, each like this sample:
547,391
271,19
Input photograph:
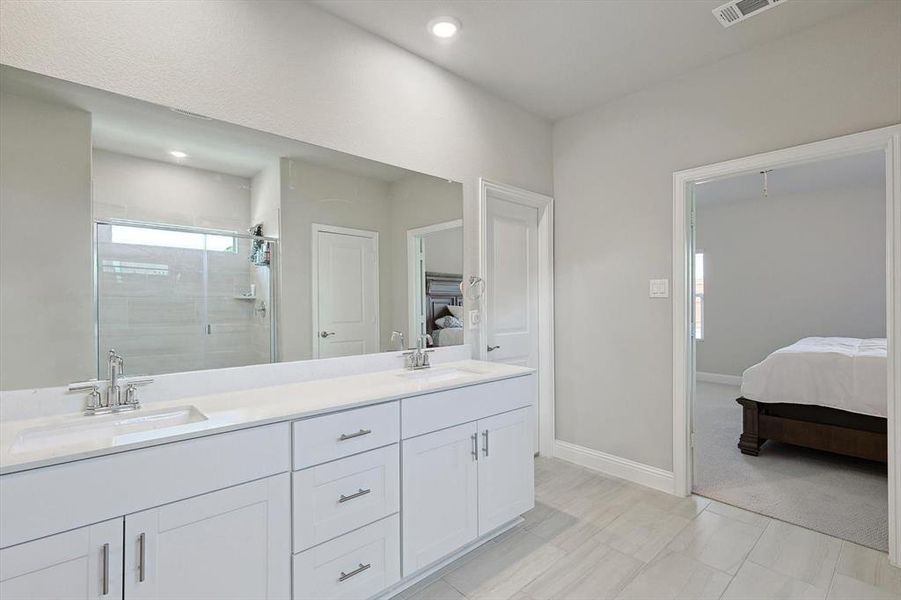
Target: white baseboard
718,378
636,472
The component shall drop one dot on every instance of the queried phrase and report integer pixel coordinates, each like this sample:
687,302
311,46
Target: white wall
46,295
128,187
781,268
291,69
613,170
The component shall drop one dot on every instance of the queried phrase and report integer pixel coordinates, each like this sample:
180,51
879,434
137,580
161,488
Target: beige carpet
840,496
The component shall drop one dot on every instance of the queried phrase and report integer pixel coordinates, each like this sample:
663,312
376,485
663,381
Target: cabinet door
440,495
232,543
79,564
506,469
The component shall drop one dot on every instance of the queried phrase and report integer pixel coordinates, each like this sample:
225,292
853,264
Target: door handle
325,334
105,590
492,348
142,558
475,446
485,436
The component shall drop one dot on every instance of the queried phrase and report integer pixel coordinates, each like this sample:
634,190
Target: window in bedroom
699,296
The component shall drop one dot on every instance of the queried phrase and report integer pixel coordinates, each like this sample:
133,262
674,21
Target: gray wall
613,182
46,295
785,267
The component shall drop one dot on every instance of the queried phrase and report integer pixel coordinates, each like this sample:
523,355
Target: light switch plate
659,288
475,317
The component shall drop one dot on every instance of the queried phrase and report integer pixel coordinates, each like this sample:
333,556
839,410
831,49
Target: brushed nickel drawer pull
105,569
485,435
475,446
142,544
350,436
362,492
345,576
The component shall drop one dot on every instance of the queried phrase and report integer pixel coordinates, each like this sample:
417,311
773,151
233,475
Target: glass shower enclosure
172,299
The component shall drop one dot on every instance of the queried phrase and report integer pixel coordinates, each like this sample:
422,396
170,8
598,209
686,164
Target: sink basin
437,374
105,430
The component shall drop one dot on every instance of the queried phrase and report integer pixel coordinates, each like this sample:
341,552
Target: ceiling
128,126
558,58
858,170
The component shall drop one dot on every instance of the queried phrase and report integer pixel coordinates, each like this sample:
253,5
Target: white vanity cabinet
232,543
463,481
82,564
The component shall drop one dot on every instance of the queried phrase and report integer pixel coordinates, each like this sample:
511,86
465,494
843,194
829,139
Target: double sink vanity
347,487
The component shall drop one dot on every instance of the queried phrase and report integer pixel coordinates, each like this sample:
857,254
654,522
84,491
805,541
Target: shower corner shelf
244,297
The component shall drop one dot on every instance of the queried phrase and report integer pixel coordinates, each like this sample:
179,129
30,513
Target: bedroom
790,327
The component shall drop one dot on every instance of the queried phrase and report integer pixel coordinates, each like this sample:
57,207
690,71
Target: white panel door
512,278
440,494
81,564
506,468
347,294
233,543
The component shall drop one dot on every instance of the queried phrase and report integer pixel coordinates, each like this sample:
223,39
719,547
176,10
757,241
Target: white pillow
457,311
448,322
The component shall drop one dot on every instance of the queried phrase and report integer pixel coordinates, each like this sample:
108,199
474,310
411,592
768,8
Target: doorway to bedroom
724,423
790,401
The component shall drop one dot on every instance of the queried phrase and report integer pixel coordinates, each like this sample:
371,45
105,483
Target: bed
443,298
826,393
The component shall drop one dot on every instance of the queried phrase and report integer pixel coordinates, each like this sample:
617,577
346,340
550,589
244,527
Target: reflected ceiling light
178,154
444,27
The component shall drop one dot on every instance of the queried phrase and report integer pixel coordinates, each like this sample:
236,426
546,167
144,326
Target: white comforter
844,373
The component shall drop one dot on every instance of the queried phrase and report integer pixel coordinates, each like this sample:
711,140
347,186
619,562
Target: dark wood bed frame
817,427
441,290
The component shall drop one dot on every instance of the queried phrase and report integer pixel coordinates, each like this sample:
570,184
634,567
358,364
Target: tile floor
591,537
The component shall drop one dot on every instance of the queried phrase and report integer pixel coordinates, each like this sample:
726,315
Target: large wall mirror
186,243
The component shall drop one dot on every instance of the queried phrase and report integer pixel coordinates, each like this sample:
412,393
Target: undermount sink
437,374
103,430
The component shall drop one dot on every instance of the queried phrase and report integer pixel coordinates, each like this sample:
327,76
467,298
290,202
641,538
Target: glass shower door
172,299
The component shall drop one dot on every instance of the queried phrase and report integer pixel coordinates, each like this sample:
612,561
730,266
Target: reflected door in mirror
346,292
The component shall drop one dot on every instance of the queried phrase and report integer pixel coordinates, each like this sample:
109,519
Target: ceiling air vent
733,12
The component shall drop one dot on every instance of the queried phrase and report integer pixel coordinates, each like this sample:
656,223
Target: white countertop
246,408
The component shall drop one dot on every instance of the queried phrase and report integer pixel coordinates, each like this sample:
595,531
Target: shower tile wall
157,311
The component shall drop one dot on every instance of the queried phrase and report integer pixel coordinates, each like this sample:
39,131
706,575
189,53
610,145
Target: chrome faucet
419,358
116,400
114,368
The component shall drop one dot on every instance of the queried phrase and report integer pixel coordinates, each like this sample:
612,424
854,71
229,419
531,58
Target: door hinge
691,439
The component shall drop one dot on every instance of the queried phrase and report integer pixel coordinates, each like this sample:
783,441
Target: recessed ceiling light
444,27
178,154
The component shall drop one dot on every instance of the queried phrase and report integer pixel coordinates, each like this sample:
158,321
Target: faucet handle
93,387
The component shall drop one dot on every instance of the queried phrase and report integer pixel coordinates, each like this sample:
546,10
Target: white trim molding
630,470
886,140
545,206
718,378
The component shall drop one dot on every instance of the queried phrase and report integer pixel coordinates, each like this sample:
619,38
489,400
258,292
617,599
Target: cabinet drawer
342,495
431,412
357,565
321,439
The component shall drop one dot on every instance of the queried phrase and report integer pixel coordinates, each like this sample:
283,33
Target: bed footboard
817,427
